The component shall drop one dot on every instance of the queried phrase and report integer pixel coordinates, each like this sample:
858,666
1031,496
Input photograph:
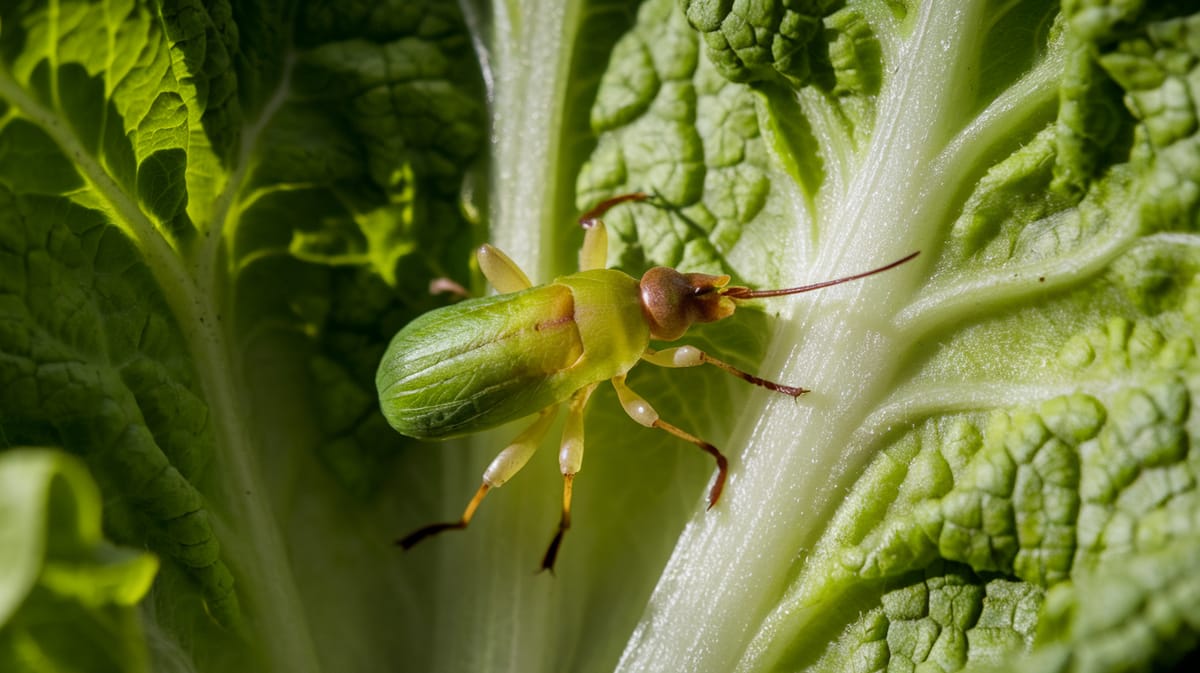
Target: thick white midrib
1015,107
528,80
722,578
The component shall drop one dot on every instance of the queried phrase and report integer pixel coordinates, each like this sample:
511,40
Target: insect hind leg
570,458
502,468
640,410
408,541
563,524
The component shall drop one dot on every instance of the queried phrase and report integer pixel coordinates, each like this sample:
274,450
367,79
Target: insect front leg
502,468
690,356
500,270
570,459
594,253
641,411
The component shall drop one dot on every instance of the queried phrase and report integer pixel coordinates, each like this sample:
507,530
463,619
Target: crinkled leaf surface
213,216
1011,414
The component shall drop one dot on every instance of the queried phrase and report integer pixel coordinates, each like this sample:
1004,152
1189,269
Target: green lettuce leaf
212,218
1012,419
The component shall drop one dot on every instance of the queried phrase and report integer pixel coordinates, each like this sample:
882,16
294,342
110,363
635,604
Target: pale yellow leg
502,468
641,411
570,459
515,455
570,454
594,253
500,270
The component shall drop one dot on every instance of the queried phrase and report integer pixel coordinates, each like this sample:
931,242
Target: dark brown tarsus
714,493
563,524
409,541
423,532
794,391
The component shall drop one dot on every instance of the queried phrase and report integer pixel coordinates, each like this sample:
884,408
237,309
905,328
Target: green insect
484,362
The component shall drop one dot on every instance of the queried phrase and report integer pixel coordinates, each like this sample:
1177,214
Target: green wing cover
481,363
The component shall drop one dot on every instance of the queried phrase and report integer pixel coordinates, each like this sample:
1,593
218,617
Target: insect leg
500,270
502,468
570,458
594,253
690,356
641,411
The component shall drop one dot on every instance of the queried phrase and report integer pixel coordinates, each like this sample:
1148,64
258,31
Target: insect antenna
738,292
598,211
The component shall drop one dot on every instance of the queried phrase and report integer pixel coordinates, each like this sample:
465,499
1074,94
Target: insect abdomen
480,363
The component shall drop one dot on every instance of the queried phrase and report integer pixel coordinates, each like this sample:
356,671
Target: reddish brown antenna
747,293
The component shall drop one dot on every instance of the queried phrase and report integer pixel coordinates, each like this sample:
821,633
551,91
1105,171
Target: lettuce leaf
68,597
214,215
